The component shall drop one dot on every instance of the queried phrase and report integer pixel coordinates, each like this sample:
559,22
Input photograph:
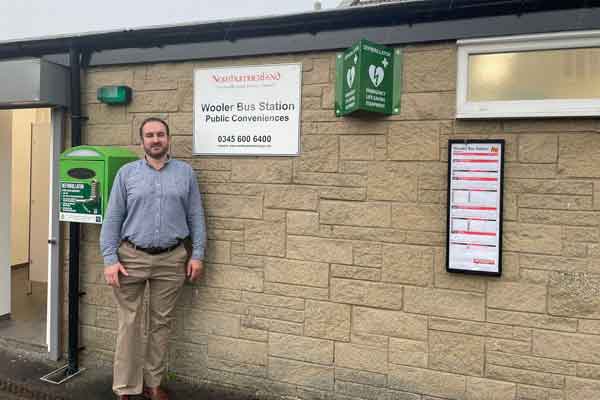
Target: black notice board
474,221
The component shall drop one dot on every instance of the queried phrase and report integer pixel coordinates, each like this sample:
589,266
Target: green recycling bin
86,177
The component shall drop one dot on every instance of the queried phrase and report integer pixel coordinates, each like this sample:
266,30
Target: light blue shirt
153,208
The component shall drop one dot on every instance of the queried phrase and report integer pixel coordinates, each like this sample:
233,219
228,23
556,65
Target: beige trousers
136,365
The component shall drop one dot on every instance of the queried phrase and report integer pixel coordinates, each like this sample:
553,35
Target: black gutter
394,14
74,240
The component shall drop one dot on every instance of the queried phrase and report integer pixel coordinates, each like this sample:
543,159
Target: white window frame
522,108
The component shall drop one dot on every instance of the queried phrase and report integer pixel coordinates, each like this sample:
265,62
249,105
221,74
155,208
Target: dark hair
153,119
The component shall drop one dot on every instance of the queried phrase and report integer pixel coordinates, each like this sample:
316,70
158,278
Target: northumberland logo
257,77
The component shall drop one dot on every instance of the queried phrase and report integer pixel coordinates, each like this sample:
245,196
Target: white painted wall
5,209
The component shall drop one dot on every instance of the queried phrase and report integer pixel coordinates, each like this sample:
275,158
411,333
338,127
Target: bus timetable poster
475,178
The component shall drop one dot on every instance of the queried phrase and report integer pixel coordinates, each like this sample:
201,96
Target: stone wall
325,273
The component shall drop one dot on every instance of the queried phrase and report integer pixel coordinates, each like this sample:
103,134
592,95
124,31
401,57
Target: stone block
366,392
211,323
409,141
369,234
319,249
589,371
444,303
107,135
582,389
357,147
574,295
319,72
427,106
320,153
531,363
95,78
303,223
154,102
407,264
325,179
353,127
426,217
272,325
240,350
576,155
389,323
230,277
352,272
555,202
262,170
307,292
536,392
516,296
541,321
301,373
273,300
456,352
525,376
233,206
291,197
567,346
283,314
373,294
301,348
361,357
368,214
487,389
589,326
429,71
538,148
424,381
327,320
408,352
534,238
507,346
391,181
237,367
362,377
297,272
265,238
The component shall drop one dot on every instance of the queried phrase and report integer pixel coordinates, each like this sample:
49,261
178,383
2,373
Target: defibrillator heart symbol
376,74
350,76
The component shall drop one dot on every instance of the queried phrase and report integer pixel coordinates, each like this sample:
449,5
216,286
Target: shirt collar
168,159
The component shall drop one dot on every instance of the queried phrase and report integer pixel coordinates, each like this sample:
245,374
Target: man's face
155,140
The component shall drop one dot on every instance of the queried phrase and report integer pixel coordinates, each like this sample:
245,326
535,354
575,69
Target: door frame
54,235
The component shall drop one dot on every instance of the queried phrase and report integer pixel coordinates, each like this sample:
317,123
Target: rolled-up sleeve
195,218
110,234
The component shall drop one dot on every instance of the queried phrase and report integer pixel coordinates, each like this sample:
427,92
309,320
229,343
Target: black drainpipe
73,368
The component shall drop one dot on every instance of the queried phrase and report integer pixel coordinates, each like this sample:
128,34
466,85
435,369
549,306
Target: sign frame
219,154
500,194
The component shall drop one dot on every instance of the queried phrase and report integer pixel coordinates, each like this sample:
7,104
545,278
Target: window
548,75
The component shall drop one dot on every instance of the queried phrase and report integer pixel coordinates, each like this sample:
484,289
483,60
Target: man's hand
194,269
111,274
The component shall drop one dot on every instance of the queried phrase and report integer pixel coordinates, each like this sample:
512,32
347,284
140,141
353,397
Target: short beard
158,156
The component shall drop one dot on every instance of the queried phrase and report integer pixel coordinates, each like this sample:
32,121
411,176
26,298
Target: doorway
29,140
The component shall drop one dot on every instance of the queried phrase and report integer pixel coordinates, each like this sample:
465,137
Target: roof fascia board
551,21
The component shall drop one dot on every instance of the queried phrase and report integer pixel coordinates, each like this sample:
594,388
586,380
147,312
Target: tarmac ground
20,374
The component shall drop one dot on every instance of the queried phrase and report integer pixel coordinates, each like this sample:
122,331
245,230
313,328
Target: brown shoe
124,397
156,393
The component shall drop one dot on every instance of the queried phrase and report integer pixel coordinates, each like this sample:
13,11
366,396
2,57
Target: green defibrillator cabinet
86,177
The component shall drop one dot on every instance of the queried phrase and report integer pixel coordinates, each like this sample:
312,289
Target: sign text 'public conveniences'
475,178
252,110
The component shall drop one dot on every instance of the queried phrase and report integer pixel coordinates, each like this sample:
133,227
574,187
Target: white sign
474,206
253,110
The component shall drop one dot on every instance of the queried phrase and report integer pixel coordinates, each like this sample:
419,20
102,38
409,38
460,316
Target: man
154,206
